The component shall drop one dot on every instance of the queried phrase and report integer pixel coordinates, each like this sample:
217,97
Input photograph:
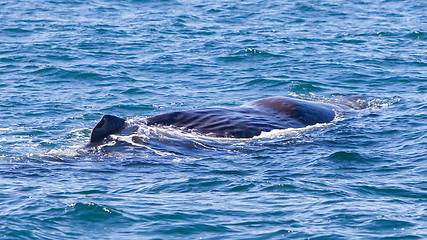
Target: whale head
107,125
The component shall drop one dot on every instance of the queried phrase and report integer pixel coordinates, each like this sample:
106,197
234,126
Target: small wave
355,102
188,229
137,91
63,73
81,217
416,35
246,53
255,52
90,211
17,30
304,88
391,190
382,102
389,224
266,83
345,156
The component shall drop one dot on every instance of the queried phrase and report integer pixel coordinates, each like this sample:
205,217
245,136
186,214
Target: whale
245,121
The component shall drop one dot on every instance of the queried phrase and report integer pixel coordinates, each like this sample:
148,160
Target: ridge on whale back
245,121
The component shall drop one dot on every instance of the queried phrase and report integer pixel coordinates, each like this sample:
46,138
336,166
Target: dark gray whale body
106,126
245,121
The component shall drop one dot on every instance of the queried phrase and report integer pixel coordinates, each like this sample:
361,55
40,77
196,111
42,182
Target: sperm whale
245,121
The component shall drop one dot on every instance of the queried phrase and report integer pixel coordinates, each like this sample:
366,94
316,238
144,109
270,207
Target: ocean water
65,63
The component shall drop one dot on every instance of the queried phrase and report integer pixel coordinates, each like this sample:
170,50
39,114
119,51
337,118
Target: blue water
65,63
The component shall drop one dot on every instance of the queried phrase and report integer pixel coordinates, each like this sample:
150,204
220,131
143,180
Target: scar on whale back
245,121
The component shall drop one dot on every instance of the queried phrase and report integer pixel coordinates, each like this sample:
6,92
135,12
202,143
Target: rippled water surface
63,64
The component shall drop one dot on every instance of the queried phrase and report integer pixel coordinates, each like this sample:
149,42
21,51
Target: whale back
249,120
308,112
